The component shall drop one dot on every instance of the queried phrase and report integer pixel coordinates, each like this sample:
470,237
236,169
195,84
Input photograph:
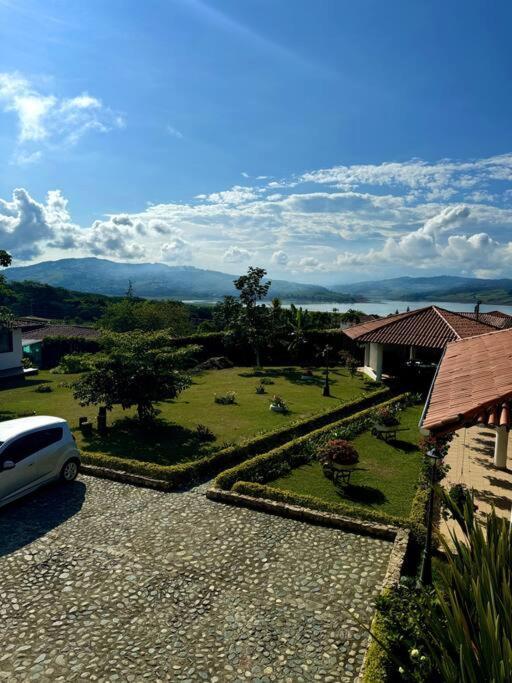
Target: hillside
156,280
440,288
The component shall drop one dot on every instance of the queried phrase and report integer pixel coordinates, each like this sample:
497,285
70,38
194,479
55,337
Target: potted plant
337,455
278,405
387,417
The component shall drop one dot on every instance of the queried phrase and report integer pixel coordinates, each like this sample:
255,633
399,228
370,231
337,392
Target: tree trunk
257,353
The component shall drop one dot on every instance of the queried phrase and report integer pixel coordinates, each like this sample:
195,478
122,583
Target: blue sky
325,140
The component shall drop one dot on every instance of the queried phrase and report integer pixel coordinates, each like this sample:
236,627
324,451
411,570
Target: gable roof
430,327
473,383
61,331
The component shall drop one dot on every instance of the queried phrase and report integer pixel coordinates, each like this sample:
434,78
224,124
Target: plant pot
277,409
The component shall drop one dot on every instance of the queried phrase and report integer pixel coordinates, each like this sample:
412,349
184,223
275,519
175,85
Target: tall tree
255,316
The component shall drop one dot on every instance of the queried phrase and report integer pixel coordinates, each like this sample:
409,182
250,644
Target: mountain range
439,288
157,280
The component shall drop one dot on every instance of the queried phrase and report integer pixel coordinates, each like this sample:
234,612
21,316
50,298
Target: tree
255,317
5,259
135,314
135,369
5,292
297,327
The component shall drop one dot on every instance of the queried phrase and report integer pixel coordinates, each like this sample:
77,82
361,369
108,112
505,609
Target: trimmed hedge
249,478
249,488
54,348
377,663
186,473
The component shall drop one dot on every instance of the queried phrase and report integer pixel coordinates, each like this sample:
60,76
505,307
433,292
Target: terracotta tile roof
473,383
497,319
430,327
62,331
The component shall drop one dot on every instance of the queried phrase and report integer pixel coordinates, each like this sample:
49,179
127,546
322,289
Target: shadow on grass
164,443
293,375
365,495
20,382
404,446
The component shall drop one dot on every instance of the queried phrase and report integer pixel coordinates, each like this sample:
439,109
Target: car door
23,452
50,449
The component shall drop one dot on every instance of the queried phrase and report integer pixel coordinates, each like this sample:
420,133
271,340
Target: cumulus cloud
369,230
236,255
280,258
46,120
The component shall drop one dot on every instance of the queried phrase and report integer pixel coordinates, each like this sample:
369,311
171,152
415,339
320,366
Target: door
50,446
25,474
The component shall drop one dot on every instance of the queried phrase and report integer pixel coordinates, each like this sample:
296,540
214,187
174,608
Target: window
5,341
31,443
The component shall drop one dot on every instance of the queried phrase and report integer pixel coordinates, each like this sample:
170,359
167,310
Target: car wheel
69,470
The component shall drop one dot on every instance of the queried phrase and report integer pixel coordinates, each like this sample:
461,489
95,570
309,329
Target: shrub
225,399
387,416
337,452
260,389
74,363
204,433
278,402
44,388
267,381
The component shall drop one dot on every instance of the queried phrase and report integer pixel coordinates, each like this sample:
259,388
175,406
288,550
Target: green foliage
204,433
74,363
279,402
187,473
260,389
132,314
44,388
266,381
226,399
137,369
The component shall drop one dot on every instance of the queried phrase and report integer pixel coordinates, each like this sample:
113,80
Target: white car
34,451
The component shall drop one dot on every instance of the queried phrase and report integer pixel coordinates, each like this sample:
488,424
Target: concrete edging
357,526
124,477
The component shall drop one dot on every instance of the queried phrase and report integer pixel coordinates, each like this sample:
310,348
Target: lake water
386,307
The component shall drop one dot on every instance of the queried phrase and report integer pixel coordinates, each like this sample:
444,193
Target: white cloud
280,258
236,255
171,130
175,251
46,121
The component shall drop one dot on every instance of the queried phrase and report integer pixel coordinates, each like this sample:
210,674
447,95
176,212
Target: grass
385,479
173,439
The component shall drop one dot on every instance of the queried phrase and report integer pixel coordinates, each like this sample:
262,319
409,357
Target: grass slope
386,477
173,439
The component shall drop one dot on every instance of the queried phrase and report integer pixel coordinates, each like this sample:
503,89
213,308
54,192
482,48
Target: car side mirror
8,465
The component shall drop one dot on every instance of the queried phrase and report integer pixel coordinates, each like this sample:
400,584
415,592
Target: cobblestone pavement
107,582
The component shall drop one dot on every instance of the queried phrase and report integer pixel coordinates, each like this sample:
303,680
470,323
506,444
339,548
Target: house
33,338
11,352
415,338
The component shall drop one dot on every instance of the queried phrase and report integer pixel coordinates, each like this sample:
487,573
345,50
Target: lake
387,307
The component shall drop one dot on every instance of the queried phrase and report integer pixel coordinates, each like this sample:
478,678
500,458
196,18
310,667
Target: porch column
500,448
366,354
376,354
412,353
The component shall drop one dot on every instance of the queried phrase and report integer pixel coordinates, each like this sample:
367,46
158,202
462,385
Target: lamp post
425,577
325,355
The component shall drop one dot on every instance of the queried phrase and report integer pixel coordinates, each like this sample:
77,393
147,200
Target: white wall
12,360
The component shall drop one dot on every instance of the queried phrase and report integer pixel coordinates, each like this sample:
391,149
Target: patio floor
471,463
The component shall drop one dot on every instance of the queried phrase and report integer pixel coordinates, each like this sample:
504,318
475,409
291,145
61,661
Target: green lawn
386,476
173,439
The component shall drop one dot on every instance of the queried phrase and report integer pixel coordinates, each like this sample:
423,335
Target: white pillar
500,448
376,354
412,353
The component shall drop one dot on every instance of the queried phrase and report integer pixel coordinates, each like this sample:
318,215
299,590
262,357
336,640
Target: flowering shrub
337,452
278,402
387,416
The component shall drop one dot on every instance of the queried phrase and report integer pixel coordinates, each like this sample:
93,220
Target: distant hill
157,280
440,288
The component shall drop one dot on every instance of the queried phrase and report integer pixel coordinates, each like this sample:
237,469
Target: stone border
124,477
304,514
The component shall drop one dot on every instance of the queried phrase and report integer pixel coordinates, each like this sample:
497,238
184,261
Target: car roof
21,425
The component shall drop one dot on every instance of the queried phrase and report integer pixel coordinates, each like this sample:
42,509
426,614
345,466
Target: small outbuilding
11,351
415,338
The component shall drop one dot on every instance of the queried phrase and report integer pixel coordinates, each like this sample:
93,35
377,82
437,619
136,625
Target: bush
225,399
260,389
267,381
278,402
204,433
387,417
337,452
44,388
74,363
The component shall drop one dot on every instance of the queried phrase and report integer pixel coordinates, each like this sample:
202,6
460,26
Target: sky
325,140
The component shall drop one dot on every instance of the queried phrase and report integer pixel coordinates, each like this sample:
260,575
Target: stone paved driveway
107,582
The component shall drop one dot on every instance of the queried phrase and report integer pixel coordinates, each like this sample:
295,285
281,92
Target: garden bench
387,433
